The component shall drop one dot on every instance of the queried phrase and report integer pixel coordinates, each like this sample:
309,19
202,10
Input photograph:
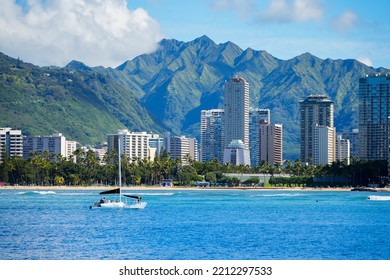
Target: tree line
48,169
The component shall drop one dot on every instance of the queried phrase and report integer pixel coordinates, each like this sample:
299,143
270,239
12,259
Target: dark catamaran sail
117,190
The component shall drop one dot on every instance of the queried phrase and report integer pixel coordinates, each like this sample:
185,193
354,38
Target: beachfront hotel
181,147
315,110
270,142
342,149
236,108
135,145
374,113
256,117
211,135
324,145
11,143
55,144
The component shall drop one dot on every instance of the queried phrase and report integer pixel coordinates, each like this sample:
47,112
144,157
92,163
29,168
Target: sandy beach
143,188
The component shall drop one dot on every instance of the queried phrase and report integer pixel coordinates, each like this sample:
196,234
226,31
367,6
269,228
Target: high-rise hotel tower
211,135
315,110
236,110
374,113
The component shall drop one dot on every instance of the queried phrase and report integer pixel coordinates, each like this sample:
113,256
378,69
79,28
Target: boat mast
120,168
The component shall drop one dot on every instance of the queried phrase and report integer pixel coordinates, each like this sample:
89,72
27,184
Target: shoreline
179,188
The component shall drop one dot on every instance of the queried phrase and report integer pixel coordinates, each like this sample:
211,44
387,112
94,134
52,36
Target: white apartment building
135,145
11,143
236,107
324,145
271,143
342,149
182,147
70,147
54,144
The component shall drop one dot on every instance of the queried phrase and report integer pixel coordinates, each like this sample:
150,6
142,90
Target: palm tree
288,166
298,168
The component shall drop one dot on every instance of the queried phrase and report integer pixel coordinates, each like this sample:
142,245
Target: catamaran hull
139,205
113,205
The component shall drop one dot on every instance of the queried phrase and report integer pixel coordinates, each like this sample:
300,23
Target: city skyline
318,133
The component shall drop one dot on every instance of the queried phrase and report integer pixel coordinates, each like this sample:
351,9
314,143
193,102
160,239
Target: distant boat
378,197
122,202
167,183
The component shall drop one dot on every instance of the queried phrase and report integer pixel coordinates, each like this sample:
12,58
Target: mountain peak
77,65
203,40
306,55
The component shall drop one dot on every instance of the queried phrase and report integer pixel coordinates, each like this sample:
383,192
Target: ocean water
196,225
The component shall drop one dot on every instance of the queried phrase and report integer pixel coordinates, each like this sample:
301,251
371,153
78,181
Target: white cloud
345,21
276,10
366,60
292,11
96,32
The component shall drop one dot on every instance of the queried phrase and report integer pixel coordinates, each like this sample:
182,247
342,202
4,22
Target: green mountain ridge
167,89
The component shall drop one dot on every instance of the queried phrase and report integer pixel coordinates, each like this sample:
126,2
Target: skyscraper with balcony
211,135
236,107
256,117
374,113
342,149
315,110
324,145
271,142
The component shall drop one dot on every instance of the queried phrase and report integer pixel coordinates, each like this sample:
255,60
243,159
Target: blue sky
328,29
100,32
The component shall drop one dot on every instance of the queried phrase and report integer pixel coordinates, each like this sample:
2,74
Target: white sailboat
122,202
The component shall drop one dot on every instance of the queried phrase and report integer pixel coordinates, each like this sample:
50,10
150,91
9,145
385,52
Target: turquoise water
196,225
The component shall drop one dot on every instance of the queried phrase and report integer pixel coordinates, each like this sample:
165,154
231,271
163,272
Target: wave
280,195
152,194
73,194
378,197
36,192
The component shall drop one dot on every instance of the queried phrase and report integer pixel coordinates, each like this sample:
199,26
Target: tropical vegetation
47,169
